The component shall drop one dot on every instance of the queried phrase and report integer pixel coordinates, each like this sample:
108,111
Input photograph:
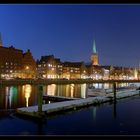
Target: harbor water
121,118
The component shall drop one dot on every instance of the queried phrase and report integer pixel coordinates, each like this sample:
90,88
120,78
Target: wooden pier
67,105
58,98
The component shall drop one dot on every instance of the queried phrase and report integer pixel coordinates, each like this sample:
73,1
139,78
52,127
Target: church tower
94,56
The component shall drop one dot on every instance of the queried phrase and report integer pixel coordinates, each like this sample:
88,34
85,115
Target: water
12,97
121,118
94,120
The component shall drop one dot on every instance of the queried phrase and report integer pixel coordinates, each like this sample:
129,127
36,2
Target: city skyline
67,31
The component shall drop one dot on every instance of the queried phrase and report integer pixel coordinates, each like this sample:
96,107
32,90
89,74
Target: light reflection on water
12,97
27,92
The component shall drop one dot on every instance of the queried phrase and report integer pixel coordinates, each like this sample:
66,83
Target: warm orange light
27,93
27,67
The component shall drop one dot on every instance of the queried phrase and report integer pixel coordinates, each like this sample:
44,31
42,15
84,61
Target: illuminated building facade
16,64
74,70
49,67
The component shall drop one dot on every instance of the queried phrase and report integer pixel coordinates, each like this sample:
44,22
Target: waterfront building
16,64
96,71
49,67
74,70
28,65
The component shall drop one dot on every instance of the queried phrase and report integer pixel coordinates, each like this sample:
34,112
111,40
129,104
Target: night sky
67,31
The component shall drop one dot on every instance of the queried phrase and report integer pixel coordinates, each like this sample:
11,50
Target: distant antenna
0,40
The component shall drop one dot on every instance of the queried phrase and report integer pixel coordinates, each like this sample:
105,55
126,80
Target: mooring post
114,105
40,98
114,91
114,109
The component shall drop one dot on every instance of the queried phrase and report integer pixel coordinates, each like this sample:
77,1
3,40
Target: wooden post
114,91
114,105
114,109
40,98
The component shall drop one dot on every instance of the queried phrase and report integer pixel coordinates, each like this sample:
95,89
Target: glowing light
27,67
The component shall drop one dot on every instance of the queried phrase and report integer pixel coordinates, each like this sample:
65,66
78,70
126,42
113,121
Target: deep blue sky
67,31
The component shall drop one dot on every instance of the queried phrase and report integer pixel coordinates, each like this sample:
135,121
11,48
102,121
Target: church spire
94,56
94,47
0,40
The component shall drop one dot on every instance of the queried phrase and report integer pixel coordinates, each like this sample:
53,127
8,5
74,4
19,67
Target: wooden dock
67,105
58,98
60,106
